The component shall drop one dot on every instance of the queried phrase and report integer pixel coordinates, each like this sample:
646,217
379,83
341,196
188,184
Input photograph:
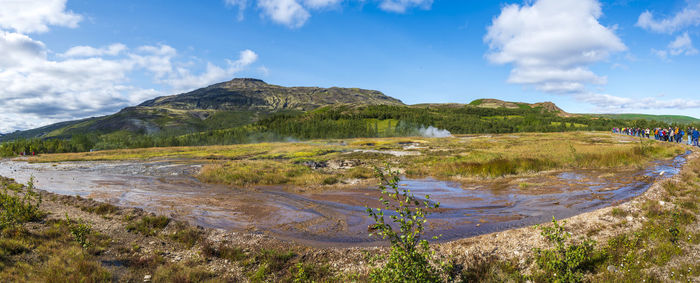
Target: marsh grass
444,158
260,172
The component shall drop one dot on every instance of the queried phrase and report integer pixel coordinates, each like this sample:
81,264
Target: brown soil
514,245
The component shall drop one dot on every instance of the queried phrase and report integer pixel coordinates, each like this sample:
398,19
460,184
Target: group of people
663,134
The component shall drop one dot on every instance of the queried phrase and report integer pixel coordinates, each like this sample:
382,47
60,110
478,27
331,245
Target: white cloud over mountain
40,87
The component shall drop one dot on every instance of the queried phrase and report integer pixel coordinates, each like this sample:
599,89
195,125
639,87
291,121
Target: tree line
338,122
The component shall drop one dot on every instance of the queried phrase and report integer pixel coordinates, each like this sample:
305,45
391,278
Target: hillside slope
224,105
253,94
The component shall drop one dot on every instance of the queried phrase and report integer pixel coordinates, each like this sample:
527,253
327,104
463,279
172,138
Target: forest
339,122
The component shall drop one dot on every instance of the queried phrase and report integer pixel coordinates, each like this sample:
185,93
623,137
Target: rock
661,203
152,242
629,218
612,268
314,164
147,278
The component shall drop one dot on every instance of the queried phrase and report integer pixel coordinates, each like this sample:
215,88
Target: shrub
16,209
223,251
181,273
80,231
410,256
564,262
149,225
188,236
310,273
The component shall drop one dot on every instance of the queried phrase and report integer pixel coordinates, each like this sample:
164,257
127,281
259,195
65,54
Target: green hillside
224,105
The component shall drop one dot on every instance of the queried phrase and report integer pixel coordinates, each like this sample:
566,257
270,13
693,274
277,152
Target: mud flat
338,218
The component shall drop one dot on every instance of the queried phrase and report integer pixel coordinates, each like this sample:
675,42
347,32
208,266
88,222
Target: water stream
336,218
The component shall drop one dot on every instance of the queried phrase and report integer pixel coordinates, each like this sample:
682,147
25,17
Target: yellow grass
447,158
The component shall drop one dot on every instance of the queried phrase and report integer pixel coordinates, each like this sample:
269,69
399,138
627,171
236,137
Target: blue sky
68,59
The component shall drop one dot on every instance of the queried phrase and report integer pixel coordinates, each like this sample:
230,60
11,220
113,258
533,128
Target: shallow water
338,217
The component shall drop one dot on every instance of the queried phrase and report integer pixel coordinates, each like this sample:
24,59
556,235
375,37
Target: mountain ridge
232,103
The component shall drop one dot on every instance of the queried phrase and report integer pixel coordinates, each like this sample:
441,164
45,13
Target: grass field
335,162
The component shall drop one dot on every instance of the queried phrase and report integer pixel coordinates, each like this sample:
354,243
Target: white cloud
183,80
83,81
320,4
27,16
241,4
689,16
89,51
663,54
400,6
295,13
38,90
682,45
19,49
287,12
551,43
610,103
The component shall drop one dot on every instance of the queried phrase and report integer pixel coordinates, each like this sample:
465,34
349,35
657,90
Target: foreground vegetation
337,162
47,238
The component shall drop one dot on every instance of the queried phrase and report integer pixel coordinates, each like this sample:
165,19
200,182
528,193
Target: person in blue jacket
696,135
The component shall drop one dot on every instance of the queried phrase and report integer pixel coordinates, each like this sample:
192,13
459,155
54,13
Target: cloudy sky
69,59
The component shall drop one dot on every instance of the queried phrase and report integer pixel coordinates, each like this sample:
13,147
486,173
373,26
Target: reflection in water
339,217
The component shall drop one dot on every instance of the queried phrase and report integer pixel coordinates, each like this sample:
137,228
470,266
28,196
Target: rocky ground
134,246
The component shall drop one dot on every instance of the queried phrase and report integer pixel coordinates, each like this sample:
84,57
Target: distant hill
661,118
495,103
219,106
253,94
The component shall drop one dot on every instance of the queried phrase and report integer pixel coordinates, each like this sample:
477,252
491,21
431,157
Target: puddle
338,218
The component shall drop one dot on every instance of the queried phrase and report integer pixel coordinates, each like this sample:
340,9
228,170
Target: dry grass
445,158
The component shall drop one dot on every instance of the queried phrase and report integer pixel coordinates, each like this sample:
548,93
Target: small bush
410,256
304,272
269,262
73,265
80,231
330,181
149,225
187,235
17,208
181,274
101,209
223,251
618,212
564,262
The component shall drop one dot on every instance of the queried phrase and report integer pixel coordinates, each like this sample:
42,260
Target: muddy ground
338,218
514,245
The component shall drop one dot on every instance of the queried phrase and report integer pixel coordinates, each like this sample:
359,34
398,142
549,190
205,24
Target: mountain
495,103
229,104
253,94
